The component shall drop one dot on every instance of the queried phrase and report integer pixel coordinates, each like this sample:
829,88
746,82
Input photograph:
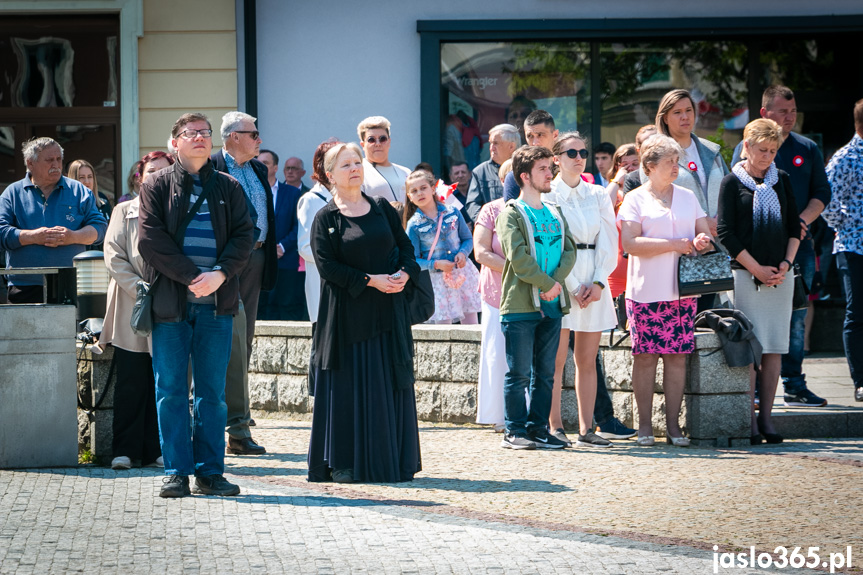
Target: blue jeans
850,266
196,447
793,377
531,346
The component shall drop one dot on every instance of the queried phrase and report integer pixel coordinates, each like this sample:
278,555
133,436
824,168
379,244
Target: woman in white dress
590,215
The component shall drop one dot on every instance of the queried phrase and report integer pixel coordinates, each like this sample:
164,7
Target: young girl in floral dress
442,243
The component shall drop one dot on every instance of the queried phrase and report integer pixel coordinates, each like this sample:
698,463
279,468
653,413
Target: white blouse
590,215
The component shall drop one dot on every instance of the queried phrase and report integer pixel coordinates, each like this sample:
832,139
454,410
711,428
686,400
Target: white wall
324,66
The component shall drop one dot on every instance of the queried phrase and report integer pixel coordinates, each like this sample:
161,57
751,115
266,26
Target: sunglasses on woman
573,154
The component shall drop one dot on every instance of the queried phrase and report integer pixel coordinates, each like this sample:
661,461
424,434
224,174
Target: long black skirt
361,422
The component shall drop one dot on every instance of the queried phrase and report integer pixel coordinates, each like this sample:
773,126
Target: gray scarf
766,209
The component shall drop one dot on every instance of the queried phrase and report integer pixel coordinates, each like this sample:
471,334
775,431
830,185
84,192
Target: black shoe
245,446
252,423
756,439
858,394
214,485
772,438
343,475
175,486
544,440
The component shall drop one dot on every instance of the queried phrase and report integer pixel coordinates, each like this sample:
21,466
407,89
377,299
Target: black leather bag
419,295
142,312
704,274
801,292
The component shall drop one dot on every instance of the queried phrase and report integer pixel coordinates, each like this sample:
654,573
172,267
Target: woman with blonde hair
759,226
364,424
83,171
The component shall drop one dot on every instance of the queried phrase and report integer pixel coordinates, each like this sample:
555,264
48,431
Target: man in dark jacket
242,143
194,298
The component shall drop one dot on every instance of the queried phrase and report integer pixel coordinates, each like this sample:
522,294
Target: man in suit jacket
287,300
294,172
241,144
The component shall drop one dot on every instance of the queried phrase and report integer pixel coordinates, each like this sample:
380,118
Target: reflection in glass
44,77
635,76
8,169
489,83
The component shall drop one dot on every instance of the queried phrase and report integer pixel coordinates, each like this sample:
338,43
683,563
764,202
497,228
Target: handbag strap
436,236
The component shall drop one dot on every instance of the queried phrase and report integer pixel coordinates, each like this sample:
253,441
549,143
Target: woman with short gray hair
659,222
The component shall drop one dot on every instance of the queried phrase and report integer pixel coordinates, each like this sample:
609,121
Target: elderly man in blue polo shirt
45,219
804,163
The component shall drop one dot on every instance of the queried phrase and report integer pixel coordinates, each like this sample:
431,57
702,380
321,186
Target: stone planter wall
716,408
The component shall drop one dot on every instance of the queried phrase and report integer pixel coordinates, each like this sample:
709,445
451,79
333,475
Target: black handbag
141,320
704,274
142,312
801,292
419,295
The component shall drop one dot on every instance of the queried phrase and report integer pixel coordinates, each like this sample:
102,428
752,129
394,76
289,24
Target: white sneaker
158,463
121,462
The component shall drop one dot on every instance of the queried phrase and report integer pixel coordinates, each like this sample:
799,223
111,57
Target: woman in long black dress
364,426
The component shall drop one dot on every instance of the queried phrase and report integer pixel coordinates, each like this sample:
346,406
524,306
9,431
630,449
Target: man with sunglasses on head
382,177
195,236
242,143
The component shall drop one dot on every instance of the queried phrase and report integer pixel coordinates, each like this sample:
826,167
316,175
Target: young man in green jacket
539,252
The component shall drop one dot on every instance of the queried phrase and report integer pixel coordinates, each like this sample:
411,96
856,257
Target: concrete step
821,422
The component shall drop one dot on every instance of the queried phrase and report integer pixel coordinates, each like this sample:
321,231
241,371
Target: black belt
585,246
258,245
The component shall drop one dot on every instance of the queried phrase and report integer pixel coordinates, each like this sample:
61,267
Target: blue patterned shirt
248,179
845,211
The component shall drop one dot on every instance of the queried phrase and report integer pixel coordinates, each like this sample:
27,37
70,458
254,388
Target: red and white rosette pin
797,161
693,167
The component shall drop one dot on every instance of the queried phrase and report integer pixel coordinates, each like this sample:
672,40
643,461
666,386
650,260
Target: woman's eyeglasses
373,140
573,154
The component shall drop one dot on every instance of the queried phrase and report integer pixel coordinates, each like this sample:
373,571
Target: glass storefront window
485,84
635,77
52,62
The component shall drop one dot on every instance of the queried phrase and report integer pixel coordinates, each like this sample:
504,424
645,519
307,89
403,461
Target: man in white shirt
382,177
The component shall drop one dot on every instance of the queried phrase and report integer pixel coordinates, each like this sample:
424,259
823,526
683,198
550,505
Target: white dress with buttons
590,216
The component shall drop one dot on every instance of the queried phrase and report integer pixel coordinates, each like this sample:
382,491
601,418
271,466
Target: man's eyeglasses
253,133
381,140
573,154
192,134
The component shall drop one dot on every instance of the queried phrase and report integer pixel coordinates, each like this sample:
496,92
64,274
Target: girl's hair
410,207
75,166
505,168
619,154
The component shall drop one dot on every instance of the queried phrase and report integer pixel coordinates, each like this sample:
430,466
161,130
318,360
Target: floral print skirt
453,303
662,326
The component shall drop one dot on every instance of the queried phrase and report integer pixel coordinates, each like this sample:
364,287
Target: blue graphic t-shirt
547,235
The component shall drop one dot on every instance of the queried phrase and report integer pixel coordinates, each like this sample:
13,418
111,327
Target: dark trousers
603,410
287,300
26,294
136,426
237,380
850,266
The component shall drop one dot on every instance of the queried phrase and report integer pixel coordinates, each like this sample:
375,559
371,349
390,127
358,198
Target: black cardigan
735,227
341,284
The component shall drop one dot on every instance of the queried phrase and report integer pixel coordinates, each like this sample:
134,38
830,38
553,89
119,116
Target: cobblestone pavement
475,508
